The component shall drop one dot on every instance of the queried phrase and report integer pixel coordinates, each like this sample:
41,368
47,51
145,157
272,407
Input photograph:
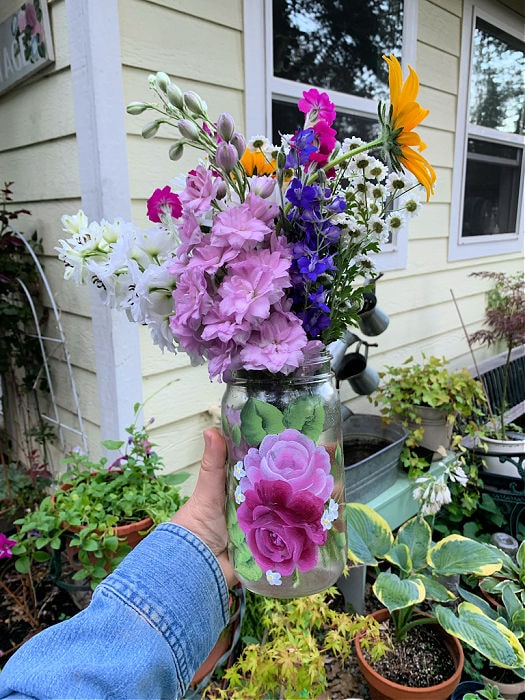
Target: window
487,205
334,45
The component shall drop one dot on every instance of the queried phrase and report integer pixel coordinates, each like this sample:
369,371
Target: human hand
204,512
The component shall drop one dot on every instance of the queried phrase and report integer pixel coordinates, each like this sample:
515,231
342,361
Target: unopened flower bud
175,96
263,186
226,156
237,140
225,126
152,80
176,151
195,104
163,81
188,129
136,107
281,160
221,190
150,129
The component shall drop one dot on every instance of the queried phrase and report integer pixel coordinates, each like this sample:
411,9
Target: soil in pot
421,660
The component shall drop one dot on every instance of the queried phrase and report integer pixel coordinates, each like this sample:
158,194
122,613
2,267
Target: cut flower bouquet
259,250
257,259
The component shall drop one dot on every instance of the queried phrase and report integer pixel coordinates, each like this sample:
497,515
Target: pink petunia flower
163,202
5,546
317,106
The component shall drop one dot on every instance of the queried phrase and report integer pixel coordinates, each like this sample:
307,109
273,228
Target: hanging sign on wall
25,43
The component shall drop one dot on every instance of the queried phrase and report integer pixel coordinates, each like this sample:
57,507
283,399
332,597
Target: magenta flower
317,106
5,546
283,527
294,458
164,202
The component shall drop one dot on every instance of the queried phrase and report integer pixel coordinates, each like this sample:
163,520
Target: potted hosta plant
415,583
510,611
504,324
100,511
428,397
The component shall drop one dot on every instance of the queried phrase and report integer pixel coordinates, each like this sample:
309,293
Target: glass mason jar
285,479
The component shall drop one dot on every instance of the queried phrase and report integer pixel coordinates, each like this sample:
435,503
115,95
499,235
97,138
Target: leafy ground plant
289,662
92,499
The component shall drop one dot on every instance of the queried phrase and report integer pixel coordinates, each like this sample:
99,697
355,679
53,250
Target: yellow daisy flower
256,163
403,116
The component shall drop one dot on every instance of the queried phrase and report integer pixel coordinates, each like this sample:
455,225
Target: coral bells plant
261,251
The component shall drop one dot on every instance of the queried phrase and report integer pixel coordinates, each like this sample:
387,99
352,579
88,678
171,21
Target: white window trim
261,86
480,246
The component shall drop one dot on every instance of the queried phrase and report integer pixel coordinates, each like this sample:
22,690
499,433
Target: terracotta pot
132,534
383,689
226,643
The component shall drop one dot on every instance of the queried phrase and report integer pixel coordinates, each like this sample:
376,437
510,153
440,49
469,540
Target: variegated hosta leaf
369,535
395,593
456,554
479,602
434,589
417,536
400,556
489,637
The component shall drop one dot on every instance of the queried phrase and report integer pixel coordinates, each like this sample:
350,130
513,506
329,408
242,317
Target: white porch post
94,41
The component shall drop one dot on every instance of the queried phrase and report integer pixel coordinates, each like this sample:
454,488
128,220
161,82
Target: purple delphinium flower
301,147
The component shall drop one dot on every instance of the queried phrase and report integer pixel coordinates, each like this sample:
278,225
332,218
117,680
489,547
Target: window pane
492,188
286,118
337,44
497,92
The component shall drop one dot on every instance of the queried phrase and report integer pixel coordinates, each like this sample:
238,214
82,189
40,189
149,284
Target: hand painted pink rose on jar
282,526
294,458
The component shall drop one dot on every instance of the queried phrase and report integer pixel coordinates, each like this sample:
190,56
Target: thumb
212,474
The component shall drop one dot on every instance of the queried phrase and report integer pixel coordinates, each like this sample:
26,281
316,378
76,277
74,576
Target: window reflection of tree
337,44
497,99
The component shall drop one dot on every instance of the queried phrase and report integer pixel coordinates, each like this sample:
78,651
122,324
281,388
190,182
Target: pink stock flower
237,227
292,457
317,106
191,300
5,546
163,202
252,285
282,526
201,188
277,345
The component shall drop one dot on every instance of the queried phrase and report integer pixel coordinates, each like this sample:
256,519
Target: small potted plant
412,573
427,397
100,511
510,611
504,323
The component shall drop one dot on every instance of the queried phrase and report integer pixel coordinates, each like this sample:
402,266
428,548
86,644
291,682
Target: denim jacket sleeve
149,626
